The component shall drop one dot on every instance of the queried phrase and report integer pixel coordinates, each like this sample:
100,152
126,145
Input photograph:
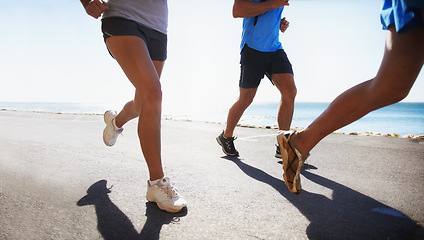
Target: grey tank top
150,13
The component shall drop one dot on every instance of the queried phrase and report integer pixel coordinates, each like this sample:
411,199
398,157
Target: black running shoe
227,145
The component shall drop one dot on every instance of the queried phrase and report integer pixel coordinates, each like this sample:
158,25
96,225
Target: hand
95,8
284,24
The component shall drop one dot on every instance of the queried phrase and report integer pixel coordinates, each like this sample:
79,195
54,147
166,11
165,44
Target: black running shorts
256,64
156,41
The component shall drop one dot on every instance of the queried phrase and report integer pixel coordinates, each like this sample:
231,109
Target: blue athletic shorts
156,42
405,14
256,64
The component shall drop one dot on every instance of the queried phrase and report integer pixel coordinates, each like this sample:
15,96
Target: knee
245,101
156,95
293,92
389,95
392,96
285,84
289,94
399,95
149,99
152,98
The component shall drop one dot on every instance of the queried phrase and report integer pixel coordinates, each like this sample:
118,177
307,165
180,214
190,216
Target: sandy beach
59,181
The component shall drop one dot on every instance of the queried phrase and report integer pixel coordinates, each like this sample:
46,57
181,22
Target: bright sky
53,51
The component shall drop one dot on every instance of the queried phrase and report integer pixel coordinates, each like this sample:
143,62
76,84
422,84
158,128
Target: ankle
116,125
300,144
154,182
155,177
225,135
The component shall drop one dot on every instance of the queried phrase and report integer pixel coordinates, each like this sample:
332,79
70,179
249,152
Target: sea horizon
401,118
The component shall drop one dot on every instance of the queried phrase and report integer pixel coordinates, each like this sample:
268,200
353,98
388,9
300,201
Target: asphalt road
59,181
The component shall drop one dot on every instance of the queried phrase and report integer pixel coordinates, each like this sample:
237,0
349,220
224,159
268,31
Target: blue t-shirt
264,36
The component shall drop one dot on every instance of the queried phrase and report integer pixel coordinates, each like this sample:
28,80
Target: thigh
132,55
284,82
137,99
402,61
159,66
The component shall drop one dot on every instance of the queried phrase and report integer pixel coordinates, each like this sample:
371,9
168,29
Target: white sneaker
111,132
165,195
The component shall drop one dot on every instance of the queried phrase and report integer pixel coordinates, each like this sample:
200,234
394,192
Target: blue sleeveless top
405,14
264,35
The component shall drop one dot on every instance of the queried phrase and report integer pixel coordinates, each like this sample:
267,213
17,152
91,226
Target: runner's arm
94,8
247,8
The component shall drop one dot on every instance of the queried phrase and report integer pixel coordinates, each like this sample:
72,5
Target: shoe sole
108,125
171,210
223,149
283,141
166,208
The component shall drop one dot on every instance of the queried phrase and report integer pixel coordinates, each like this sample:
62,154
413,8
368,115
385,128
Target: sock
114,125
155,181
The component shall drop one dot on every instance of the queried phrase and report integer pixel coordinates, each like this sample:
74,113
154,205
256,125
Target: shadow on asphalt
112,223
348,215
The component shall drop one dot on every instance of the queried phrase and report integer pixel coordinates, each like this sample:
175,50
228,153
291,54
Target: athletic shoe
165,195
292,160
111,132
277,151
227,145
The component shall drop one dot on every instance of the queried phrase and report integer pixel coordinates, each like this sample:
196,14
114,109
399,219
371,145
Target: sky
52,51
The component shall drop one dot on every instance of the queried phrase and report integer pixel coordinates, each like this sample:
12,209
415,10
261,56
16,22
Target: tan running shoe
111,131
292,160
165,195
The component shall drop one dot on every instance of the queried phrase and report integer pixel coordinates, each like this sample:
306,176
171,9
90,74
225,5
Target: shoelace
230,142
170,191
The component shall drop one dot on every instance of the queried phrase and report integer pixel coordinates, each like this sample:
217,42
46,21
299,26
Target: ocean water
401,118
54,107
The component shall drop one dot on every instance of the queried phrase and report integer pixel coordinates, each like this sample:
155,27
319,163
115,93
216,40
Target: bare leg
237,110
285,84
132,108
130,111
401,64
133,57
